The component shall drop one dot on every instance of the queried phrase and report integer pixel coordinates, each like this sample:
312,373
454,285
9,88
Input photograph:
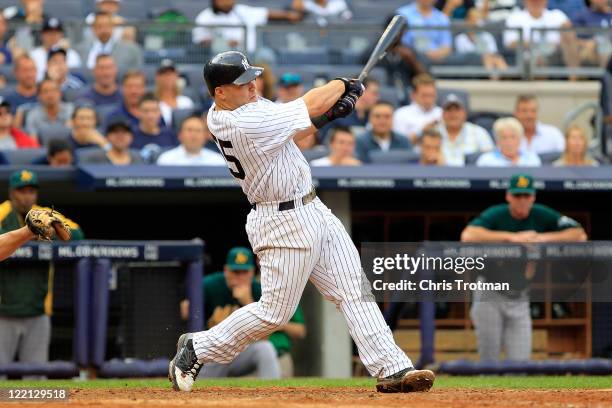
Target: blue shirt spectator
381,136
598,15
569,7
104,90
91,96
423,14
164,138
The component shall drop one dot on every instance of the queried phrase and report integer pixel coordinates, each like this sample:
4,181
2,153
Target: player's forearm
10,241
480,234
320,100
567,235
295,330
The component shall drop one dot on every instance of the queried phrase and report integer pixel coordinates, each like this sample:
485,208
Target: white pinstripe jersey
256,140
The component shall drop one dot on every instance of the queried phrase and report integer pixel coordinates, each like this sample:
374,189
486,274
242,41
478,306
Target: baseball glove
45,223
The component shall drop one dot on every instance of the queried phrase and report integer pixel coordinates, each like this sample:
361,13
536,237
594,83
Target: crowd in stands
97,101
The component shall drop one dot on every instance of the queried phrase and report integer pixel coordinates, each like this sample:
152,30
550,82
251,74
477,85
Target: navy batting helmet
230,67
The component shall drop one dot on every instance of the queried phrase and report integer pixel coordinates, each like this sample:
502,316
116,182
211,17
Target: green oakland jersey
540,219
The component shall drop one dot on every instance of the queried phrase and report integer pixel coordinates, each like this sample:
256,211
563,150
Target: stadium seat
84,155
133,10
102,111
486,119
471,159
53,132
549,158
65,9
179,115
316,153
84,73
8,72
314,55
391,94
394,156
189,8
23,156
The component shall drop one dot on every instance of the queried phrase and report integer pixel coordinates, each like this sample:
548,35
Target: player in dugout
504,318
26,295
234,287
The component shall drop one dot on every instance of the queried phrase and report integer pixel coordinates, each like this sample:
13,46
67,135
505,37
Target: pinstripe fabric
293,246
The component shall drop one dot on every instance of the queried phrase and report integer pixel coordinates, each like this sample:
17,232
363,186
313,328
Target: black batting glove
352,85
342,108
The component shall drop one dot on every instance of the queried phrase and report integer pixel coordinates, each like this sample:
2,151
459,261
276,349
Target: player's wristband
321,121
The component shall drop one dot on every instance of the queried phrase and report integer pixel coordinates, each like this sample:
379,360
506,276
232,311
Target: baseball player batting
294,235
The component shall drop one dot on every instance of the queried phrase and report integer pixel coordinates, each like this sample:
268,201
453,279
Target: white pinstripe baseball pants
308,242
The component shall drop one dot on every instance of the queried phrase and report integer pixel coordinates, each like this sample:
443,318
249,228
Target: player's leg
487,317
339,277
287,245
517,330
34,345
258,358
10,329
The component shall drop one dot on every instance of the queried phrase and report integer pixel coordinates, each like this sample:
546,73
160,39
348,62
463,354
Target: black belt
290,205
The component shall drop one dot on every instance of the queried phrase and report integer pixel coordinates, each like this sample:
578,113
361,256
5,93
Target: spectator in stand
193,135
482,43
49,111
104,90
133,88
496,10
401,62
547,46
594,49
119,135
431,148
576,149
290,87
52,36
127,55
422,113
84,132
539,137
455,9
433,45
459,137
31,14
325,9
266,82
341,149
110,7
227,12
148,130
25,92
12,138
168,90
59,154
57,70
569,7
6,54
508,133
380,136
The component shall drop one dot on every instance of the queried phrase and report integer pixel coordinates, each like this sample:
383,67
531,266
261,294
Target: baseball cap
5,104
452,99
290,79
166,65
118,123
521,184
56,50
52,24
23,178
239,258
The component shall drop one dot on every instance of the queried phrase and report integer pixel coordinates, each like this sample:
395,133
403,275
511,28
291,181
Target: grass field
477,382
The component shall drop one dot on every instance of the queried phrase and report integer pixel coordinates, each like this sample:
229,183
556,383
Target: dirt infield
338,397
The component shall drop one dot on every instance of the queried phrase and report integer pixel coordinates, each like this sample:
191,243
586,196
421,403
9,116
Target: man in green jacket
25,295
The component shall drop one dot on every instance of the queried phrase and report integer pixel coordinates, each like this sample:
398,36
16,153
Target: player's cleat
184,367
408,380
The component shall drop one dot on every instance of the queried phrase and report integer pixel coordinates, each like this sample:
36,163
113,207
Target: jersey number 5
226,144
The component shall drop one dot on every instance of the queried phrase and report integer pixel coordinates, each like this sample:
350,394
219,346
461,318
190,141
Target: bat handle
362,76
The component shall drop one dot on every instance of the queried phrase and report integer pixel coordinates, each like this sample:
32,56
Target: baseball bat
386,41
